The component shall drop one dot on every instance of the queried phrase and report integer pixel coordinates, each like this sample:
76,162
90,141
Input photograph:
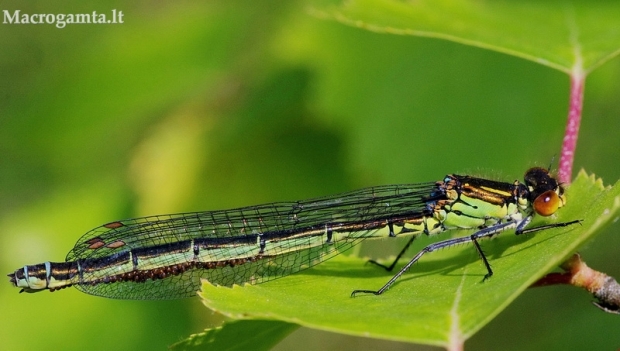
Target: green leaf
442,299
559,34
238,335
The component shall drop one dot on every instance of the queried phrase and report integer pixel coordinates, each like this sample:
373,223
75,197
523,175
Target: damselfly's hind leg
400,254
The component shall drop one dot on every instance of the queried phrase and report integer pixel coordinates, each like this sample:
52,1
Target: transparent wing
366,210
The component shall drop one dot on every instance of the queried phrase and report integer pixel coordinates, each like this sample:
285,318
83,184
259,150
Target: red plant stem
577,80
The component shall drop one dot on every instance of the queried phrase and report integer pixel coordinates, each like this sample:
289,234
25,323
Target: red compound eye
547,203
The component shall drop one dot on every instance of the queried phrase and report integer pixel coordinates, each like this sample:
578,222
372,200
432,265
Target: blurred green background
189,107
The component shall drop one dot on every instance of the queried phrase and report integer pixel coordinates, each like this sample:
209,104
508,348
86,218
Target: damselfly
164,257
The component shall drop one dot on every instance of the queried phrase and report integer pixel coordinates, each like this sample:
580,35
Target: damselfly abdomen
164,257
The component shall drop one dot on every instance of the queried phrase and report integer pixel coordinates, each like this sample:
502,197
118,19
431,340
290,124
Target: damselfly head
546,193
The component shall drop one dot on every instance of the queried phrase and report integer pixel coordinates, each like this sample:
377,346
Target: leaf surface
559,34
442,299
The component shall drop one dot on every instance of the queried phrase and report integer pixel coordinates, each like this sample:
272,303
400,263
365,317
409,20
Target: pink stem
572,128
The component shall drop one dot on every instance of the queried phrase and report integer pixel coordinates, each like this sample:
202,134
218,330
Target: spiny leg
548,226
486,232
483,233
400,254
483,257
429,248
